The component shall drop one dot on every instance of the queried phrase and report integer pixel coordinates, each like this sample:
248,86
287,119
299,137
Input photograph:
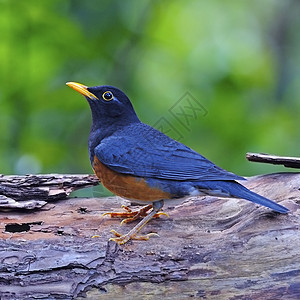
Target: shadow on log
209,248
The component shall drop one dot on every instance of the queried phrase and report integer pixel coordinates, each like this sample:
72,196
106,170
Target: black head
109,105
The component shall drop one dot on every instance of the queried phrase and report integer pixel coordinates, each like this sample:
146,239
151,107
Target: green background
238,59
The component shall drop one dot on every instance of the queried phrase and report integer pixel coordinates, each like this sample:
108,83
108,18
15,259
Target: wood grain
209,248
34,191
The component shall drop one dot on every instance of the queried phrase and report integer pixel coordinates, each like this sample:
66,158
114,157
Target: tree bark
209,248
34,191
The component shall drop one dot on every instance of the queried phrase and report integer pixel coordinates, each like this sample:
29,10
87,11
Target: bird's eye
107,96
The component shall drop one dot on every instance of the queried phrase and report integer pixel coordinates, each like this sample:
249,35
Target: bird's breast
127,186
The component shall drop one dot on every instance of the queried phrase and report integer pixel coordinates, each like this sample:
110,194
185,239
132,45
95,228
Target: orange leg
131,215
132,234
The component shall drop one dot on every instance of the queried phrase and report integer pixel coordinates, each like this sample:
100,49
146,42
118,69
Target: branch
290,162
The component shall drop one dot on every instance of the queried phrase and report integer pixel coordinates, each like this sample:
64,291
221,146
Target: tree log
209,248
34,191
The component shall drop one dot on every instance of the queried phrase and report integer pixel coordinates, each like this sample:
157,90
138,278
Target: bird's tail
234,189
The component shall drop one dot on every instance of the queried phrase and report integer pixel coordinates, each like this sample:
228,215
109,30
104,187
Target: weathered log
34,191
209,248
287,161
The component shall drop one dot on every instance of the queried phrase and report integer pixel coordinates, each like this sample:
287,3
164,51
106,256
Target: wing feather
155,155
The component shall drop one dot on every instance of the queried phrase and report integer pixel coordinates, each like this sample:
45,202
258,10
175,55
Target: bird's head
109,105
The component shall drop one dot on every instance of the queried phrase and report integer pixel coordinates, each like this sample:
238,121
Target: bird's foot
131,215
132,234
122,239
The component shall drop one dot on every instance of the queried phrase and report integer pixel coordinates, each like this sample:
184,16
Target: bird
139,163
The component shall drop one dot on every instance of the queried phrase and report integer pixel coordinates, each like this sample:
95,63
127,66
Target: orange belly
127,186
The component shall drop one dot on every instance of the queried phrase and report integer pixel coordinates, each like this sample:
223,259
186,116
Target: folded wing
146,152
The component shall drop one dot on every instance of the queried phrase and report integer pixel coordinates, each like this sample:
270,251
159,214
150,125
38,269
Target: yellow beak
82,89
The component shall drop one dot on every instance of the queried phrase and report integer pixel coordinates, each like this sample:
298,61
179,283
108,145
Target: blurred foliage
239,59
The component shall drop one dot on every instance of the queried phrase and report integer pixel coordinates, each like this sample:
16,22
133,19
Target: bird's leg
131,215
132,234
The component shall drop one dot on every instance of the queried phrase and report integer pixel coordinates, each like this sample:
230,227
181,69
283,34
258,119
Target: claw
157,215
145,237
117,234
126,208
122,239
132,215
129,213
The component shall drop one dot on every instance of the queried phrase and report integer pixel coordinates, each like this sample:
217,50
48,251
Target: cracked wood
34,191
209,248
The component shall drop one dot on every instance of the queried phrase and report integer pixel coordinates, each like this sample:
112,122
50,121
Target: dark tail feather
240,191
237,190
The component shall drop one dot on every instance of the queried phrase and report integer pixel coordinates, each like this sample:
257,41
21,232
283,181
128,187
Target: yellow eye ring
107,96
